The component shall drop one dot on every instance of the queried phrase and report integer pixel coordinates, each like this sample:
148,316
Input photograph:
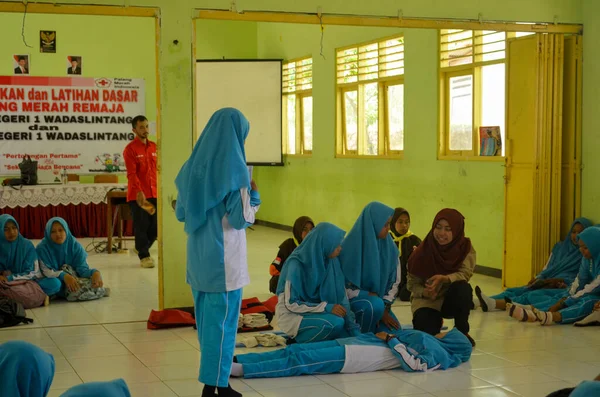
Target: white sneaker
147,263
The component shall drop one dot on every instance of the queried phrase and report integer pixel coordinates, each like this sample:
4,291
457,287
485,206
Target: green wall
226,39
336,190
175,63
591,110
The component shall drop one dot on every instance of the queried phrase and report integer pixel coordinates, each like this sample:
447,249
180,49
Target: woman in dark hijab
302,227
406,242
439,271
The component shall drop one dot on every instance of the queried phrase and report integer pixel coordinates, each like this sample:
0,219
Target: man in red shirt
140,160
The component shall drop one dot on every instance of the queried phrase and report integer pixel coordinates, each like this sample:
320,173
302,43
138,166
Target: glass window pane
371,118
291,123
395,109
461,112
351,119
492,98
307,122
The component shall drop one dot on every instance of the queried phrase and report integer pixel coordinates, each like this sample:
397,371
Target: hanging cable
322,33
26,2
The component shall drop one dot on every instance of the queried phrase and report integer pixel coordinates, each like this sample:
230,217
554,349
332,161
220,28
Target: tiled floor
108,338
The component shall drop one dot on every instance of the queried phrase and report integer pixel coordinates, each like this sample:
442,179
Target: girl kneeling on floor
371,266
313,305
62,257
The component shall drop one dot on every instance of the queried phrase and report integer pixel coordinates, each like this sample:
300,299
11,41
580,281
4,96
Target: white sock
545,318
476,303
237,370
521,314
487,304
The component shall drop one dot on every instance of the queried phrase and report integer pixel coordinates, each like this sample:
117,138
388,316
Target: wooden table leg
109,225
120,220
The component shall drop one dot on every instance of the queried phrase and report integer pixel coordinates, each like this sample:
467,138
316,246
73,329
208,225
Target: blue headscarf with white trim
368,262
216,168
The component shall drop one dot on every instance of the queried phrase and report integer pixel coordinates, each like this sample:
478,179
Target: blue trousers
368,312
579,310
542,299
217,319
309,359
320,327
50,286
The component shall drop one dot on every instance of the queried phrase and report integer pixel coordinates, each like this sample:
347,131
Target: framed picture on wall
490,141
48,41
21,64
74,65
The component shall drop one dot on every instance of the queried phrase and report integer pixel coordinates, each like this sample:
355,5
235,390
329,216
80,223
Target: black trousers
457,305
145,228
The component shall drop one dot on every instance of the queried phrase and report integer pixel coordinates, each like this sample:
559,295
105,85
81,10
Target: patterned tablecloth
45,195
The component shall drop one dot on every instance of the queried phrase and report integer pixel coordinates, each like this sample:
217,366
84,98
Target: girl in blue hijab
217,201
27,370
18,258
409,350
312,304
62,257
559,272
578,301
371,267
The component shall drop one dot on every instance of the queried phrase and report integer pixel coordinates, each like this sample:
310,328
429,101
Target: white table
45,195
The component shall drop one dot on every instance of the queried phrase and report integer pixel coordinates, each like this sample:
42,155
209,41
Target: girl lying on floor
578,301
409,350
29,371
560,271
62,257
302,227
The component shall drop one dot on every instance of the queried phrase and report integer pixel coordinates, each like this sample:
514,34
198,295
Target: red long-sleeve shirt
140,160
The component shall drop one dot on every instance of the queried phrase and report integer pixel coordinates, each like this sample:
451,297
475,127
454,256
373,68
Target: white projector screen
253,87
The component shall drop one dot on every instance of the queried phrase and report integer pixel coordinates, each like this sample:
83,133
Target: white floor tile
512,376
304,391
65,380
378,388
158,346
261,385
442,380
538,389
189,357
151,389
175,372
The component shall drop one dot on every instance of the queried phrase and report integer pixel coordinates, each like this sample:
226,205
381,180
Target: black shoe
482,302
227,392
470,340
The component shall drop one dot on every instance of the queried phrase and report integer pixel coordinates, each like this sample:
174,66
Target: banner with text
76,124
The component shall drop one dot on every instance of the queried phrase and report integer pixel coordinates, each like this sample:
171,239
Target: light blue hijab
68,253
216,168
314,276
115,388
566,257
27,370
368,262
591,238
18,256
587,389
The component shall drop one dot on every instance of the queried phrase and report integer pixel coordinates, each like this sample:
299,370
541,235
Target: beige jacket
416,285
